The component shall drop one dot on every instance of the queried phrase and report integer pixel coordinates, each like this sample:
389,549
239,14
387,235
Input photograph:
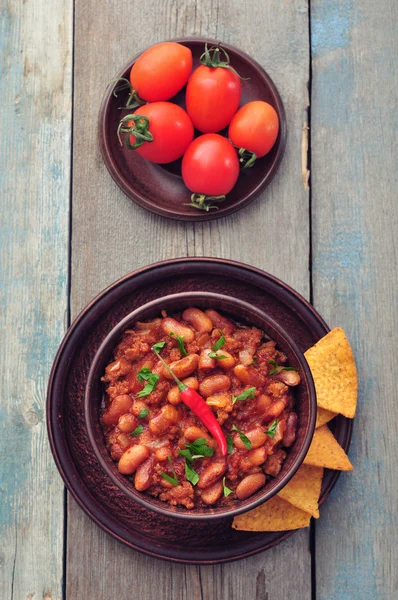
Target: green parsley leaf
149,387
272,429
226,489
278,368
180,342
152,380
219,343
143,413
215,355
173,480
186,454
144,374
243,437
137,431
158,347
249,393
199,448
191,474
230,444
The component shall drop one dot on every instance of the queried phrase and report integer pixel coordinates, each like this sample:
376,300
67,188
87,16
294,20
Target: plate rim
49,408
134,196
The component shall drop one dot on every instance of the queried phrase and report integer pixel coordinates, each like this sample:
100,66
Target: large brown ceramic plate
159,188
105,503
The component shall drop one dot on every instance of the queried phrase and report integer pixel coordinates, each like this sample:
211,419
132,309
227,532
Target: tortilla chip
304,489
323,416
335,376
326,452
274,515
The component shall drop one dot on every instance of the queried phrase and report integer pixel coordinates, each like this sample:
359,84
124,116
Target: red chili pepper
199,407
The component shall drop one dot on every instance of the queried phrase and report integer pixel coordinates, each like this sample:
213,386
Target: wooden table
334,240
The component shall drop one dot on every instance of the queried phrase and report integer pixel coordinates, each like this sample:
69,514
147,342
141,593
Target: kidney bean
256,436
275,409
132,459
192,433
220,322
170,325
225,363
184,367
143,475
249,485
249,376
174,393
257,456
213,384
211,494
119,406
290,378
211,473
290,433
159,424
162,453
170,413
198,319
263,402
205,362
191,382
173,396
127,423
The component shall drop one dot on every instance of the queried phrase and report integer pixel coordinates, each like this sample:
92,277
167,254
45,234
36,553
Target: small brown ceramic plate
139,528
159,188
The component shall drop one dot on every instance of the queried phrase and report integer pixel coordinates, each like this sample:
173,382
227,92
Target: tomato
210,165
213,93
161,71
255,127
165,131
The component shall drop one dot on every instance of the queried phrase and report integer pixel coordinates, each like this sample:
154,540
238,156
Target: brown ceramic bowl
241,312
159,188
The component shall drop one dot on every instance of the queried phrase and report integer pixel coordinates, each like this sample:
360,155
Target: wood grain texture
35,125
112,236
355,278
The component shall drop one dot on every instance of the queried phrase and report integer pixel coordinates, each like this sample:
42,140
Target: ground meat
137,350
277,389
181,494
274,462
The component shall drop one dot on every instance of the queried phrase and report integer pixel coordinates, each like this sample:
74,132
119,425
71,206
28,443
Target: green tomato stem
133,101
246,158
203,202
139,129
214,61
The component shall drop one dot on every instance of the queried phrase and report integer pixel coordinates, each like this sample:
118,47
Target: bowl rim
139,497
134,195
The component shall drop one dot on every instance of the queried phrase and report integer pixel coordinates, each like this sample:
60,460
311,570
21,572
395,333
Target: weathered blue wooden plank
35,119
355,278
